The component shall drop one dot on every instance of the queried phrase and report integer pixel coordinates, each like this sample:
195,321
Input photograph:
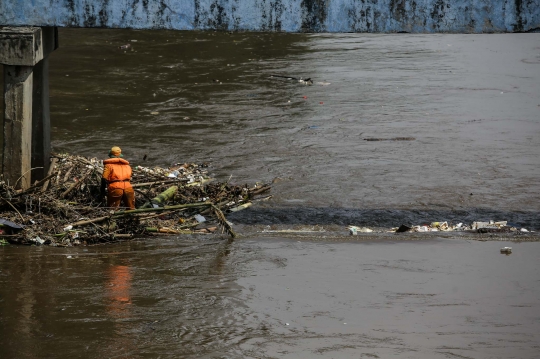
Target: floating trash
353,230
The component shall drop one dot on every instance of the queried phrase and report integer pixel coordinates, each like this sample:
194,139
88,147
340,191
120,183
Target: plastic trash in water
68,228
506,250
173,174
354,230
524,230
37,240
199,218
12,225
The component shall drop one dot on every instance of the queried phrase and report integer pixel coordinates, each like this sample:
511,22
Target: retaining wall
416,16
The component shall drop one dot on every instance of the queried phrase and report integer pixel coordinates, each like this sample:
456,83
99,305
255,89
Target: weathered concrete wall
280,15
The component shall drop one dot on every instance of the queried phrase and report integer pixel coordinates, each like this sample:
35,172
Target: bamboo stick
144,184
203,181
89,221
240,207
142,210
167,230
165,208
162,198
122,235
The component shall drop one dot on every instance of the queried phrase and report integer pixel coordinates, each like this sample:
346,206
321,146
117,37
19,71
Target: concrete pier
26,128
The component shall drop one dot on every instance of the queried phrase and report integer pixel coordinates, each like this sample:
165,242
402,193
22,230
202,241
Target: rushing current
466,112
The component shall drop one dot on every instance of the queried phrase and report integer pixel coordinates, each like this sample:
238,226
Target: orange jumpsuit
117,173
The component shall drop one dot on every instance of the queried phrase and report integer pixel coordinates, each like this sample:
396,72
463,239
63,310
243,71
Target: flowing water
470,108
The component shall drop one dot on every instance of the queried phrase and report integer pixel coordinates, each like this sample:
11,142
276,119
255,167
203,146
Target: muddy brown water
472,105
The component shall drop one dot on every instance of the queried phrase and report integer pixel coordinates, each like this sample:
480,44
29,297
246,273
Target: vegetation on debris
66,208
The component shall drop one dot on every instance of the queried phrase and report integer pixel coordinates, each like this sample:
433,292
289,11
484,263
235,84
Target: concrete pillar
27,131
41,121
16,159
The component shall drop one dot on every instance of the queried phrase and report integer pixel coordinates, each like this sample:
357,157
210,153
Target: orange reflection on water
118,290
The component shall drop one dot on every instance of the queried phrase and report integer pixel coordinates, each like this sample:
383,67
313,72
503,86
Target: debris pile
478,227
66,207
475,227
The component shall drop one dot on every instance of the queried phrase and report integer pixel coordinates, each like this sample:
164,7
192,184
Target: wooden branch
76,184
54,161
12,206
66,176
38,184
260,190
223,221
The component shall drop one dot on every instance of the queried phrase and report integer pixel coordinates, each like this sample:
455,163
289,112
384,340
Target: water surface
469,101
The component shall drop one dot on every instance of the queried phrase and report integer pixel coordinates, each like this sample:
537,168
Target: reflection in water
118,288
118,308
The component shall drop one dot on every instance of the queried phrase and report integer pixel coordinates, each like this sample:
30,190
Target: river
469,107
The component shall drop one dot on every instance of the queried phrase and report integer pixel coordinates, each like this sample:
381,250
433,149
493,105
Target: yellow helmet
115,152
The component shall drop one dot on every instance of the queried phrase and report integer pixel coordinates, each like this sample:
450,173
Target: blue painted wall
417,16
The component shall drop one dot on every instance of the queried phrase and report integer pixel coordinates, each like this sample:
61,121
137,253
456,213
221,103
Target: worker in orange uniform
116,177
